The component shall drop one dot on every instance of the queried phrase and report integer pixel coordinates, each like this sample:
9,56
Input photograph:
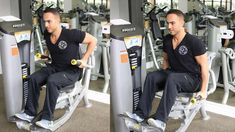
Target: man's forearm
90,49
165,63
91,43
205,78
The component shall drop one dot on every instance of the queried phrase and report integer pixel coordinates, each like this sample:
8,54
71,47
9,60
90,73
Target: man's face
51,22
174,23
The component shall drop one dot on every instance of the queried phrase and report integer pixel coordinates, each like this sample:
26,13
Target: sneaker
134,116
157,124
133,125
45,123
24,116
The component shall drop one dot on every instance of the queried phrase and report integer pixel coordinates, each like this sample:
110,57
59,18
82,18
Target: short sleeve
199,47
77,35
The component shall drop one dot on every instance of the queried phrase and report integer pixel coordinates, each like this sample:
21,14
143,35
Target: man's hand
83,63
202,94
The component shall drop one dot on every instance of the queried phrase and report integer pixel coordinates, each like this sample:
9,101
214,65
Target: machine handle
160,10
38,55
152,10
194,100
75,62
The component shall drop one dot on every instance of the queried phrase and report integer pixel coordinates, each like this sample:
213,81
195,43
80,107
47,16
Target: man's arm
91,43
203,62
165,63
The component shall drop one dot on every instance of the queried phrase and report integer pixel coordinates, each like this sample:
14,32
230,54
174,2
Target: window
169,3
226,4
50,2
99,2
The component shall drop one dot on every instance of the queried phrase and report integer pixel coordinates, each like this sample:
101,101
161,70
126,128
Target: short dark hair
51,10
176,12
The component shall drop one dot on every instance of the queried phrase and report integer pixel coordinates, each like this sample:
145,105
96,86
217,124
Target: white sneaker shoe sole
133,116
23,117
152,123
44,124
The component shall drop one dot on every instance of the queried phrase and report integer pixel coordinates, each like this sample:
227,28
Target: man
185,69
63,45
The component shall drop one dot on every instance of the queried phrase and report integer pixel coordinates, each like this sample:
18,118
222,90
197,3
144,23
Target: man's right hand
83,63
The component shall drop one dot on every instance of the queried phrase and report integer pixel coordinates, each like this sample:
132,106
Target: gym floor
216,123
93,119
97,118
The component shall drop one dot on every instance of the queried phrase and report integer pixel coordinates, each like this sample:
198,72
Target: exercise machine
96,27
187,105
127,67
38,27
127,59
69,98
153,37
17,53
228,71
228,67
215,41
126,82
190,22
217,30
127,64
185,108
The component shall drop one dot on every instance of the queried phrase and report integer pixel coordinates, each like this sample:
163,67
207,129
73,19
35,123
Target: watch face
62,45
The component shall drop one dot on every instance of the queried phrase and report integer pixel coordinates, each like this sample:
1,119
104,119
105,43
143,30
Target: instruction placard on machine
130,42
23,35
133,41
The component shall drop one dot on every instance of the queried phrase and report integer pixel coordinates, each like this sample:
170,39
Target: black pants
172,83
54,81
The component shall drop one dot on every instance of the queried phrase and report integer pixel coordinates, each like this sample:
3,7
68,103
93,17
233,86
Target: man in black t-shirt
185,69
63,46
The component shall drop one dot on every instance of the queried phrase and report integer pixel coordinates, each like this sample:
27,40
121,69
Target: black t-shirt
65,49
182,59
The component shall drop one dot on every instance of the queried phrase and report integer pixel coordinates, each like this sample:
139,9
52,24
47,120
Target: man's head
51,19
175,21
